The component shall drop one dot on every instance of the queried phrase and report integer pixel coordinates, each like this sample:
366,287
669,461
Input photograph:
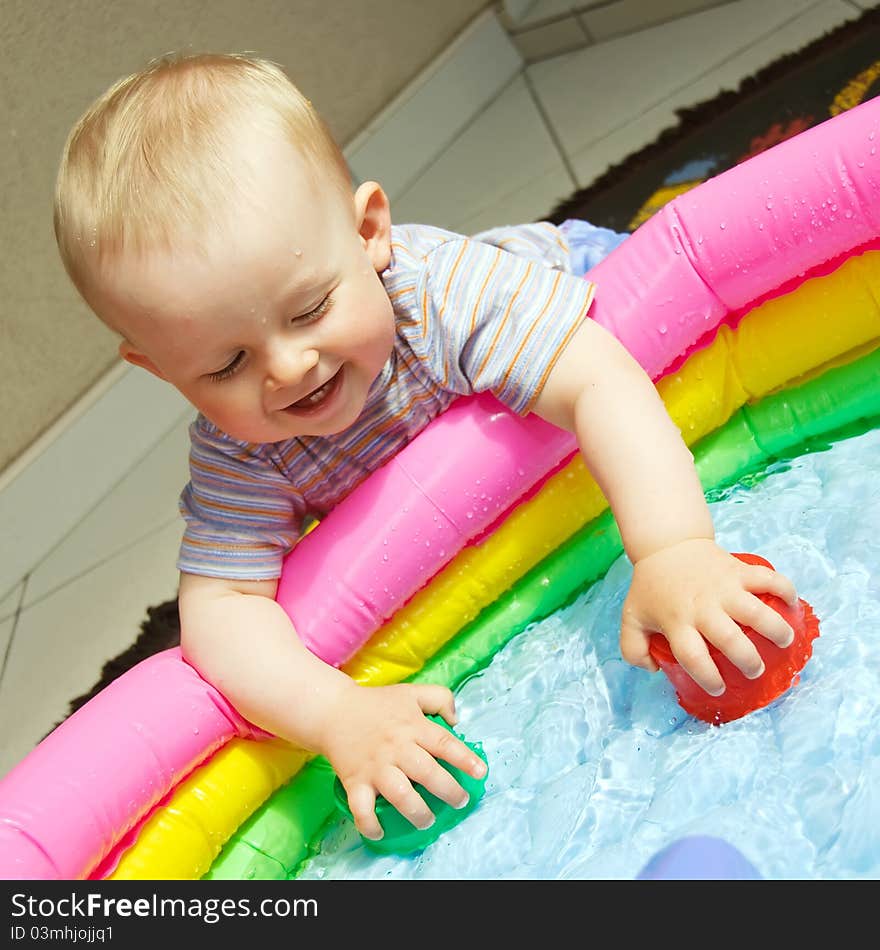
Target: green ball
401,837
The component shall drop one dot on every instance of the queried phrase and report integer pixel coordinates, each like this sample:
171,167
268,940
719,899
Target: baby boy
206,215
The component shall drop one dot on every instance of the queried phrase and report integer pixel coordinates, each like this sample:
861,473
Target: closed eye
229,369
314,314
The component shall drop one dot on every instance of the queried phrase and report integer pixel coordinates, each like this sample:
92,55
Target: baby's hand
694,590
380,742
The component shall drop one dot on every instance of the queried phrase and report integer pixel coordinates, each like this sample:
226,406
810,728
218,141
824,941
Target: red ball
743,695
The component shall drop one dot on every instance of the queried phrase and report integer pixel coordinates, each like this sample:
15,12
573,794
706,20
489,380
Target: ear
373,215
136,358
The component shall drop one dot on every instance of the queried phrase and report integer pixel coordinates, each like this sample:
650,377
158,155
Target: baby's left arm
684,586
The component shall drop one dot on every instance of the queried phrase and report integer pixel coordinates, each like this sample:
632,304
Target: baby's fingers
727,636
398,790
425,770
437,701
634,641
750,611
362,805
442,744
689,648
764,580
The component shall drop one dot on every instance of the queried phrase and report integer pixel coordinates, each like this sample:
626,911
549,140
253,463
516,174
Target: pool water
594,767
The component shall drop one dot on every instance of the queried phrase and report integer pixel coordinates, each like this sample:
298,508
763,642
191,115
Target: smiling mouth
317,397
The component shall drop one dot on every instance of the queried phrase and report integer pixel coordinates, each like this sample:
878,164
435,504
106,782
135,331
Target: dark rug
802,89
833,73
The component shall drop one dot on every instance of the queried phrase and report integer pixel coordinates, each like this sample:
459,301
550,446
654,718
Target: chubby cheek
377,324
371,299
229,407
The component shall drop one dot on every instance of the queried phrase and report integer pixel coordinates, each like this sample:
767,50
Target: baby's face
280,324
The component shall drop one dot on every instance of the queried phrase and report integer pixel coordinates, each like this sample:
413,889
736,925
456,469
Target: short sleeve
539,240
242,514
489,320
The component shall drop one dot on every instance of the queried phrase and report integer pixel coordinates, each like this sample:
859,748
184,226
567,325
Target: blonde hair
153,158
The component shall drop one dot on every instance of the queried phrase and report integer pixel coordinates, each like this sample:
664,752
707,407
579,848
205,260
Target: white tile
146,498
531,203
88,456
9,603
512,11
789,38
8,608
498,157
62,642
6,628
627,16
590,93
406,136
551,39
527,14
590,162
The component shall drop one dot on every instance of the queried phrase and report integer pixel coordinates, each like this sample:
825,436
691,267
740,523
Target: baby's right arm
377,739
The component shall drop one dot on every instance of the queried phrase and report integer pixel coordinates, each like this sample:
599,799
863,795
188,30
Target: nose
288,365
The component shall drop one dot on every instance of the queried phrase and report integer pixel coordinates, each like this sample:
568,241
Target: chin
331,427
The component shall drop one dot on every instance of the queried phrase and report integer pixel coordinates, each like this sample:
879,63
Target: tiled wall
542,28
481,137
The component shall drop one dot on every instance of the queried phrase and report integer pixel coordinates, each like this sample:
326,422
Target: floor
535,143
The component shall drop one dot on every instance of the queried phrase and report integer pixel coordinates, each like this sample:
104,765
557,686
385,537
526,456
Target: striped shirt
491,312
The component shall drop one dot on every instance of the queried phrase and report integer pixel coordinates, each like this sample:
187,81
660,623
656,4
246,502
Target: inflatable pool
752,301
